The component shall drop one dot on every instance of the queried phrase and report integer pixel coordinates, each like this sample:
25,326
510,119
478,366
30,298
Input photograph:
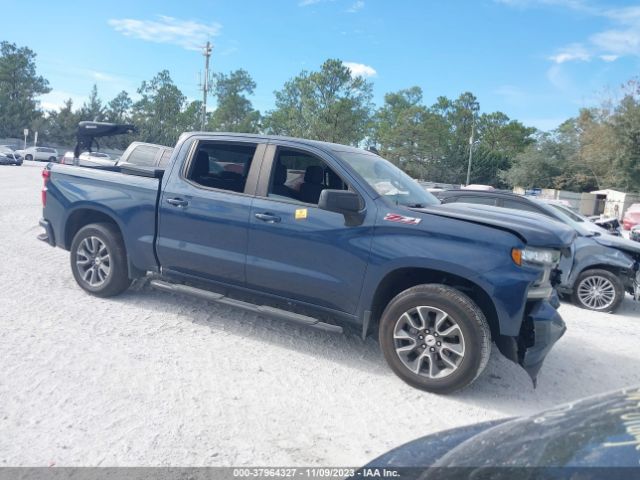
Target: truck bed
128,194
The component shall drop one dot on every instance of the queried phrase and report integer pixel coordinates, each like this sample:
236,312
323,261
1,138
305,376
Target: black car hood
534,229
602,431
618,243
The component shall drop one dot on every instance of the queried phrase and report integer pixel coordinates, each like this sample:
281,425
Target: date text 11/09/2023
315,472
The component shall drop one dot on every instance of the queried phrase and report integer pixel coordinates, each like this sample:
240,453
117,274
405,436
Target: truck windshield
388,180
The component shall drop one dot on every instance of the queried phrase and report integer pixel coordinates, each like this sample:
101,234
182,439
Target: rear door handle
267,217
177,202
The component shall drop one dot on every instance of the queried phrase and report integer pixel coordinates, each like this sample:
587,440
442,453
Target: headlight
535,256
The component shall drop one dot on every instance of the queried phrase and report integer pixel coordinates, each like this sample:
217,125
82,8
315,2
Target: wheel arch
83,216
401,279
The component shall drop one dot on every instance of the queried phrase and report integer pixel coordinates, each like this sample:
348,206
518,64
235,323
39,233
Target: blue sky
538,61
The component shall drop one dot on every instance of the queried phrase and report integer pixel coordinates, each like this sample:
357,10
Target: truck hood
534,229
618,243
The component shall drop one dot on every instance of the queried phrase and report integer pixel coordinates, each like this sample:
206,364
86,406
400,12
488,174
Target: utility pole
473,128
207,49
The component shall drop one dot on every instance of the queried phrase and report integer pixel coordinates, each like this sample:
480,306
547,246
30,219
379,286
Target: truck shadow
570,372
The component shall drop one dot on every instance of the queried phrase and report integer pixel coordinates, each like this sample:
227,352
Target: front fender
486,264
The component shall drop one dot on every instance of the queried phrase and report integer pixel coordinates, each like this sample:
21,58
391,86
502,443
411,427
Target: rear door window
144,155
220,165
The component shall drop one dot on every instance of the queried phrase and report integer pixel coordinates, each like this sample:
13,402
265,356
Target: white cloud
571,4
104,77
621,39
188,34
609,58
558,78
306,3
575,51
360,69
55,99
356,6
618,42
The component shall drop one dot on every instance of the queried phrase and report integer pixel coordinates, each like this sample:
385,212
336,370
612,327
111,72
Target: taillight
46,174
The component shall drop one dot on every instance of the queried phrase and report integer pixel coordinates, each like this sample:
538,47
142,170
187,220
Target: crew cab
320,234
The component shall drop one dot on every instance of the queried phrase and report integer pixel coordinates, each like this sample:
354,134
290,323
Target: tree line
598,148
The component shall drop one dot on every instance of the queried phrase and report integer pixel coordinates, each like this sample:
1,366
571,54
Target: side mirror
342,201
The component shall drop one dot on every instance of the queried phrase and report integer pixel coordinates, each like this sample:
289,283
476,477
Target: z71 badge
393,217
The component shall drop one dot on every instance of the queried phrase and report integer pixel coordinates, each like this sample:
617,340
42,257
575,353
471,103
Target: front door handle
267,217
177,202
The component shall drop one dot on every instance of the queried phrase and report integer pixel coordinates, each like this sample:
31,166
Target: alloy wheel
93,261
596,292
429,342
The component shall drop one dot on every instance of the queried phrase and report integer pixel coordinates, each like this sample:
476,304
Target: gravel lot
153,379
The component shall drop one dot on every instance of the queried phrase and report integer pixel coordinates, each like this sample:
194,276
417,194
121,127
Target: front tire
99,260
435,338
598,290
28,157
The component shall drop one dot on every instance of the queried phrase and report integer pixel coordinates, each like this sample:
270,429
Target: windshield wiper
414,205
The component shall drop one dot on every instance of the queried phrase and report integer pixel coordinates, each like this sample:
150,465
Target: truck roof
336,147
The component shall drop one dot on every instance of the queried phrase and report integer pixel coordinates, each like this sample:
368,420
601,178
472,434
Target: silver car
43,154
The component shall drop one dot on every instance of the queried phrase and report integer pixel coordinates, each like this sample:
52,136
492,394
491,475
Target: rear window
477,199
143,155
516,205
164,159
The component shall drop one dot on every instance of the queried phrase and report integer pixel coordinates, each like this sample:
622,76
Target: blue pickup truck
320,234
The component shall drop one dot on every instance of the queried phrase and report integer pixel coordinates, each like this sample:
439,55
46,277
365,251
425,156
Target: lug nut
424,346
420,337
439,344
426,331
432,349
435,334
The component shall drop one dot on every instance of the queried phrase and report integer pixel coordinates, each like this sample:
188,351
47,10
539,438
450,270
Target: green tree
118,110
626,127
20,88
234,112
329,105
157,112
92,110
62,125
409,134
499,141
190,119
460,115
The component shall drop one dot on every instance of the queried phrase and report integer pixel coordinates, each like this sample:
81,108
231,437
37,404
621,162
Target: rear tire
598,290
99,260
435,338
28,157
53,159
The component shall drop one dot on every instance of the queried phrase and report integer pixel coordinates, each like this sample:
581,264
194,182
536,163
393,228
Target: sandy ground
153,379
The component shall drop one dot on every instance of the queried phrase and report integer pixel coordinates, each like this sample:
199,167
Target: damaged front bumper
541,328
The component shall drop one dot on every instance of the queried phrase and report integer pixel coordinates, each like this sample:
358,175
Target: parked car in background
146,155
564,442
67,159
631,217
601,266
43,154
95,159
9,157
604,225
